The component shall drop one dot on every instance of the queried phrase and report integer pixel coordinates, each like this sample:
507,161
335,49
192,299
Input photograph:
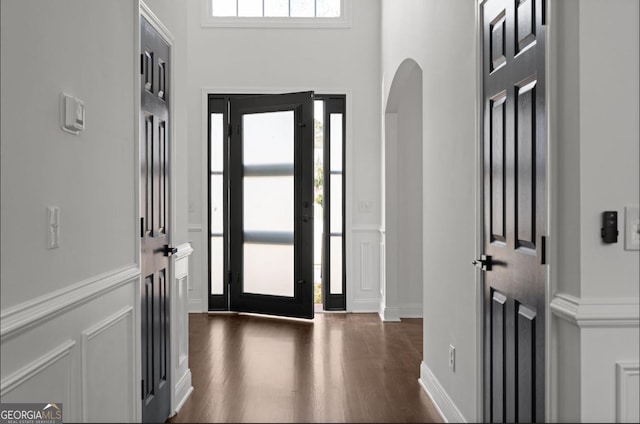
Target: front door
154,231
271,204
514,210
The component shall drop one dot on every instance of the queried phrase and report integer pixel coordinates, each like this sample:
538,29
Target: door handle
168,251
484,263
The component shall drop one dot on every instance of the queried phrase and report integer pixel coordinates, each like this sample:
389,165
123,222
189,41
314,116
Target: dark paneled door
271,204
514,210
154,192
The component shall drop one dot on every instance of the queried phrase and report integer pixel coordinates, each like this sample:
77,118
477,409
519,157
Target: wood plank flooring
336,368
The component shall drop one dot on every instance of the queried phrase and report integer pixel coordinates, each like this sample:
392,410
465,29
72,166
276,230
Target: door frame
142,10
551,217
204,174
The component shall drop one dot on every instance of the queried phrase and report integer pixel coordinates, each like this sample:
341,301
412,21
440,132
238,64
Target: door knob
168,251
484,263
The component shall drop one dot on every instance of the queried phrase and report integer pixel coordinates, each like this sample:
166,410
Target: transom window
276,13
277,8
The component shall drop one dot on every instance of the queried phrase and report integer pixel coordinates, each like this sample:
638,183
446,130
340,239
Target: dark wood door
154,192
271,204
514,210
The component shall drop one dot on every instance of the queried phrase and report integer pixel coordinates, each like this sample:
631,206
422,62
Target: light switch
631,228
53,227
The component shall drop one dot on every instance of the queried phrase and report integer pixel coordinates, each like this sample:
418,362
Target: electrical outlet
452,357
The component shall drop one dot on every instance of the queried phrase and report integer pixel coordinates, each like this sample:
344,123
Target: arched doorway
402,196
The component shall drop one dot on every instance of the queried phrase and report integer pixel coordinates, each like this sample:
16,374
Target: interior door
514,210
271,205
154,192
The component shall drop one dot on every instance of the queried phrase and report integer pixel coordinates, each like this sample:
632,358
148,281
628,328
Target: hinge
230,130
543,250
544,12
142,389
141,63
229,277
141,226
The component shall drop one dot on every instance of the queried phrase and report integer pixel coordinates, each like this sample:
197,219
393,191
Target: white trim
411,310
184,250
479,213
17,319
137,102
388,314
25,373
442,401
364,306
194,228
183,386
597,312
207,20
366,229
92,332
625,371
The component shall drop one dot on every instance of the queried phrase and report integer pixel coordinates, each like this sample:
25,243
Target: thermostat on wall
72,114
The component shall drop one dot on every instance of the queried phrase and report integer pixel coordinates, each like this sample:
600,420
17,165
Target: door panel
514,208
154,191
271,204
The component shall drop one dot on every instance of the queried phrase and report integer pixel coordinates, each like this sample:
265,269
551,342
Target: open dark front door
271,205
514,210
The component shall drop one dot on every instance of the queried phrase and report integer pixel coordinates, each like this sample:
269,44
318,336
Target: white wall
595,137
440,36
48,49
402,196
329,61
409,187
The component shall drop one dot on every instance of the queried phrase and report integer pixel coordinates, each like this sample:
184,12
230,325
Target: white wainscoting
198,269
363,270
181,376
108,360
76,346
607,348
627,392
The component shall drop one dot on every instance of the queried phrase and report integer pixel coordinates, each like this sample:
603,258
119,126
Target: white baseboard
364,306
183,390
443,403
389,314
411,310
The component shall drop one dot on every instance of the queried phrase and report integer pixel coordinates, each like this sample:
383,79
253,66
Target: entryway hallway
338,368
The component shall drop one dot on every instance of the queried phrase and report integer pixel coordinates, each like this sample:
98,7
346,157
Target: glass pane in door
268,269
268,203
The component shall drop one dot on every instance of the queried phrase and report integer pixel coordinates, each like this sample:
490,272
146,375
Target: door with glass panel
271,204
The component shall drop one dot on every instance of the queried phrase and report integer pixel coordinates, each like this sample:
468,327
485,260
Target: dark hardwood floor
336,368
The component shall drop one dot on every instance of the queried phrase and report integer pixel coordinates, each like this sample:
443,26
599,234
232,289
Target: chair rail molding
19,318
596,312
